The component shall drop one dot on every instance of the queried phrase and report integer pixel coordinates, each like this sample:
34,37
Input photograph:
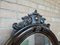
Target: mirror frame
30,27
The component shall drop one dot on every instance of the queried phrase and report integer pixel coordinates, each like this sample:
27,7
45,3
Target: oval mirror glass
36,39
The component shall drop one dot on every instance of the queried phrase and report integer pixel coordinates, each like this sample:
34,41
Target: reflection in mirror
36,39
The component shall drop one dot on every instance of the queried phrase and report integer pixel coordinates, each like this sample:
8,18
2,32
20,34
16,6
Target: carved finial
35,11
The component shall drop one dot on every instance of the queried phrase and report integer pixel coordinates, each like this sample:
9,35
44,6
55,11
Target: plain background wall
12,10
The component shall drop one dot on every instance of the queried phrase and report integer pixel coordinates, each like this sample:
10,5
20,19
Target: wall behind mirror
11,11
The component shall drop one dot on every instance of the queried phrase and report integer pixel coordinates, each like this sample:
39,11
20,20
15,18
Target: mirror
32,24
36,39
